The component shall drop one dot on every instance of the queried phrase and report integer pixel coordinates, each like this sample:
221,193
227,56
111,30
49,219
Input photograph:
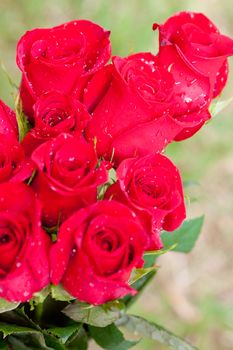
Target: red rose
199,44
24,246
192,94
133,115
67,177
14,166
96,250
56,58
54,113
151,186
8,123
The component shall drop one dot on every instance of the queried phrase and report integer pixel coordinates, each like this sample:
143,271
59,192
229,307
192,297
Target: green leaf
218,106
137,274
36,341
160,252
110,338
102,189
52,342
79,341
112,175
3,345
111,180
17,344
8,329
64,333
23,123
59,293
141,327
100,316
184,237
40,297
6,305
140,284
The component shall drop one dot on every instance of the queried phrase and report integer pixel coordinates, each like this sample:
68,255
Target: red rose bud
151,186
199,45
24,246
67,177
14,165
133,115
8,122
59,58
96,250
54,113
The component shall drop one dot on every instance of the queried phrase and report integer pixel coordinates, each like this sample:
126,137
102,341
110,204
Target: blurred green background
192,295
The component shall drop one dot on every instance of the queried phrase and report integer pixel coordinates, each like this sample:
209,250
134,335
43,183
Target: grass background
191,295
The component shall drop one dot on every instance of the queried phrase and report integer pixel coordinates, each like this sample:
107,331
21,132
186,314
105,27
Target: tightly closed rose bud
68,176
8,123
24,246
55,113
96,250
151,186
14,166
59,58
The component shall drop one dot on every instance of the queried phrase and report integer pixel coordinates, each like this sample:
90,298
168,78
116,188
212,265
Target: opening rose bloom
8,123
136,108
14,165
24,246
59,58
55,113
198,42
151,186
68,176
125,97
195,52
96,250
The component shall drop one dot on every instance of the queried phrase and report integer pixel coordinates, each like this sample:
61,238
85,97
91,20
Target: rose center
53,119
4,238
106,241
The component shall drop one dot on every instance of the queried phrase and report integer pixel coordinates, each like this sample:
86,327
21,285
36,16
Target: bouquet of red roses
87,199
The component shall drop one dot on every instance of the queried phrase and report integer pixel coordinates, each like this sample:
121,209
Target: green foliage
59,293
24,333
79,341
7,305
141,327
8,329
23,124
64,333
39,297
184,238
159,252
137,274
111,180
180,240
20,343
100,316
3,345
110,338
36,341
